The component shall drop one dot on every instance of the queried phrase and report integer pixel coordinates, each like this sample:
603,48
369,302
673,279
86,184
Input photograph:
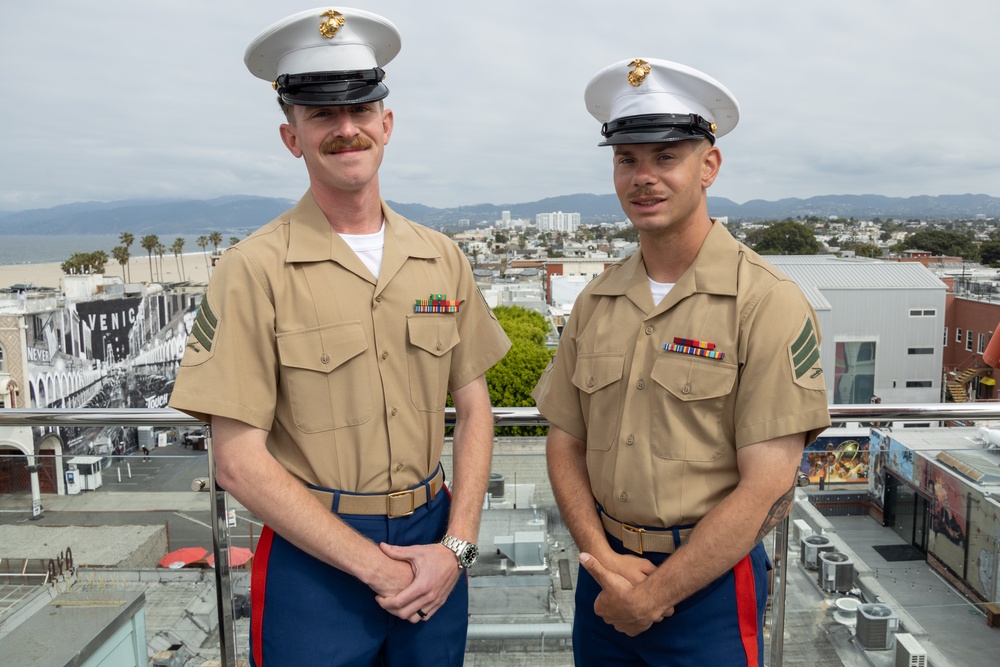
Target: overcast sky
118,99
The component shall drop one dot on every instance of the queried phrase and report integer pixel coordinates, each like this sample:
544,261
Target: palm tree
178,248
215,238
148,244
160,248
127,240
233,240
203,243
120,253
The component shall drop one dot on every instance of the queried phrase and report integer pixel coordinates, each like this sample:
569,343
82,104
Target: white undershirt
368,248
659,290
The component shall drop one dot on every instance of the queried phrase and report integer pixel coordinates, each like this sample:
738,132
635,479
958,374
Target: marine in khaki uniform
323,354
685,387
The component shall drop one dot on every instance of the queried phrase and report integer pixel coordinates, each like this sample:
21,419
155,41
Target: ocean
33,249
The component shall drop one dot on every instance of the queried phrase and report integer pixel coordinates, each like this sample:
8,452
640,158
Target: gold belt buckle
636,531
399,494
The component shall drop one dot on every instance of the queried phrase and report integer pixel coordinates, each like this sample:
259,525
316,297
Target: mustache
337,144
645,192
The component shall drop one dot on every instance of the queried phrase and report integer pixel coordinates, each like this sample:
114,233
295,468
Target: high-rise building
557,222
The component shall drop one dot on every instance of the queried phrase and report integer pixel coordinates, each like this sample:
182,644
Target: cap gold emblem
638,75
334,22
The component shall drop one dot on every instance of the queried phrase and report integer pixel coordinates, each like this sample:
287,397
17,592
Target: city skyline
129,100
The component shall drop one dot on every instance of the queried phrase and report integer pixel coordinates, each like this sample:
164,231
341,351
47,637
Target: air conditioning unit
876,624
812,545
836,572
800,528
909,652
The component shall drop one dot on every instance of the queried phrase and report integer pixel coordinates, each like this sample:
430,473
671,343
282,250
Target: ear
387,125
711,163
290,139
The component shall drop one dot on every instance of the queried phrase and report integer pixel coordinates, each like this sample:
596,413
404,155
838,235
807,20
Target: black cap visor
656,129
332,88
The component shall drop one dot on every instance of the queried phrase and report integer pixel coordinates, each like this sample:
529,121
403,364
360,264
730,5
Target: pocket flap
322,349
598,370
692,378
436,334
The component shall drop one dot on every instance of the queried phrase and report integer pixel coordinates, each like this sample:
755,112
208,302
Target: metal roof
814,273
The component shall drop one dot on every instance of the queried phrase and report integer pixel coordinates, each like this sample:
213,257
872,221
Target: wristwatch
466,552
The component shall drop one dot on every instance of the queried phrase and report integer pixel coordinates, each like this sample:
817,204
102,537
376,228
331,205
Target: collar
312,239
712,272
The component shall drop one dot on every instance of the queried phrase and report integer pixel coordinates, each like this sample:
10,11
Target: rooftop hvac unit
909,652
876,623
800,528
812,545
836,572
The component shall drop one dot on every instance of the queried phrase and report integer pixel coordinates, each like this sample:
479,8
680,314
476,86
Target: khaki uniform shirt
295,336
662,427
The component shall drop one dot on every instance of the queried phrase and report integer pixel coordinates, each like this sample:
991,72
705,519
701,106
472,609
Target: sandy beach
49,275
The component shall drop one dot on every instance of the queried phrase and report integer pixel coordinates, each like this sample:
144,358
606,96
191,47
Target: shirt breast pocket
432,338
325,375
598,377
693,416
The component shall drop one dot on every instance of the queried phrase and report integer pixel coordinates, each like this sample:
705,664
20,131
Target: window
923,312
920,350
981,344
946,337
918,384
854,374
958,335
968,340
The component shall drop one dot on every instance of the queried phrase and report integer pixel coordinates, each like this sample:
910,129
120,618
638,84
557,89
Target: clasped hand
434,573
623,602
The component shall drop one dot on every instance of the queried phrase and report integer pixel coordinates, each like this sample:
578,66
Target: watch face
469,555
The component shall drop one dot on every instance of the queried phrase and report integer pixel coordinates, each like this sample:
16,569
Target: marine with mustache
686,384
322,355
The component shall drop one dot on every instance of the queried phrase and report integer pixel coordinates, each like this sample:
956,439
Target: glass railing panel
933,483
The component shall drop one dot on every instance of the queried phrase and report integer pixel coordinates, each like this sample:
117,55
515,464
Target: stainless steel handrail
866,413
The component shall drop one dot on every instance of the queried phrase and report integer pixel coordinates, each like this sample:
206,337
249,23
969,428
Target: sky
119,99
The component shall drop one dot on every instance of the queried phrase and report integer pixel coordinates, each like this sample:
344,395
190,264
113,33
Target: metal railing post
220,546
778,592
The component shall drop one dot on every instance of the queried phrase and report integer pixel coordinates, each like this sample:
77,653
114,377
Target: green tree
512,378
942,243
85,262
215,238
160,249
784,238
233,240
148,244
989,253
120,253
864,249
178,249
127,240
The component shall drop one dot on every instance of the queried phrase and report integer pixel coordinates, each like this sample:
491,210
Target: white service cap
325,56
647,100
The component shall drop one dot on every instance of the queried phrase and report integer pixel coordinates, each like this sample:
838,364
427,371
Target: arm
435,568
761,499
567,462
247,470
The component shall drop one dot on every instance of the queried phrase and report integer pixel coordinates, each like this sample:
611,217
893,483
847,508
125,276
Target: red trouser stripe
746,607
258,584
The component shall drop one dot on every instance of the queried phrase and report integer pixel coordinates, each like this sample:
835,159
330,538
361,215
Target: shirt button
399,466
623,497
324,358
649,330
378,299
686,389
641,384
590,382
629,440
385,355
394,411
439,346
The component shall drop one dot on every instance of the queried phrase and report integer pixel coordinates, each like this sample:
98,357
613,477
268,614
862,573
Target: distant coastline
44,249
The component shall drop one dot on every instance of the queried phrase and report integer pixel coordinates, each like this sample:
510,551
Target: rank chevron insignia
805,351
203,331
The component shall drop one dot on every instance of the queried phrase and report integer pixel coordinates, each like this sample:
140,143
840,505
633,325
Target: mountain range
243,213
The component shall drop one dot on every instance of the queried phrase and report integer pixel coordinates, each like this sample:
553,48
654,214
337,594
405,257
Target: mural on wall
107,353
837,459
984,545
947,507
876,475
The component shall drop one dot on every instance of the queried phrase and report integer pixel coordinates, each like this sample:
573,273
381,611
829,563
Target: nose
344,126
644,174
